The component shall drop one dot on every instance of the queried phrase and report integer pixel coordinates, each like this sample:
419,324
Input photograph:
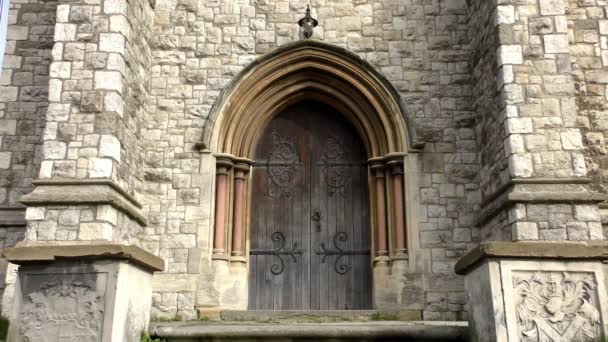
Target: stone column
89,142
377,169
224,164
536,291
536,181
395,164
241,170
535,192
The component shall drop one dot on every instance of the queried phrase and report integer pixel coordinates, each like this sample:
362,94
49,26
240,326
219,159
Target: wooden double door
309,218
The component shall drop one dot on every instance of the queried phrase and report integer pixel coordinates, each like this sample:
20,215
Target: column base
536,291
91,292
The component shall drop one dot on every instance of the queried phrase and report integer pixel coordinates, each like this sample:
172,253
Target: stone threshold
410,331
318,316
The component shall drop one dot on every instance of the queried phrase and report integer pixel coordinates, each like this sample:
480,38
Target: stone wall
23,105
200,46
24,95
587,31
537,112
486,94
493,89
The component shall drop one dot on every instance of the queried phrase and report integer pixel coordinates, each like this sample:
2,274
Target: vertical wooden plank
305,215
358,267
315,235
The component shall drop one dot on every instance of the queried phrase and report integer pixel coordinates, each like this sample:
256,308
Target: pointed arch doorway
310,238
239,133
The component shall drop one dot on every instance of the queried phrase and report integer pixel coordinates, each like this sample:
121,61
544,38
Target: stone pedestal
84,293
536,291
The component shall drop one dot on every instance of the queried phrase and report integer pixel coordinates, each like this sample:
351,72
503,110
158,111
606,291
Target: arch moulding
293,73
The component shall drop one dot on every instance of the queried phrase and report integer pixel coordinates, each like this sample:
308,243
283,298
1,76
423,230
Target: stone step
309,332
318,316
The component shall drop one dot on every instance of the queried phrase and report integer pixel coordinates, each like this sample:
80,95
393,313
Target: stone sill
440,331
559,250
29,252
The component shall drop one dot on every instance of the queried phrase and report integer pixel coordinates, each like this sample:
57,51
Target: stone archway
292,74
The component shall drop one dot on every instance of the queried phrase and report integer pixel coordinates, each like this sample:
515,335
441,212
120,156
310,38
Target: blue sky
3,21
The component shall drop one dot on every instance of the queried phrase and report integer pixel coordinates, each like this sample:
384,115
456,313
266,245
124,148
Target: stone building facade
111,117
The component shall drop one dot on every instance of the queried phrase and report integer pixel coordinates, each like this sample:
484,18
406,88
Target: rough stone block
556,43
524,231
54,149
15,32
552,7
65,32
505,15
8,94
92,101
509,54
109,80
107,213
35,213
95,231
100,168
112,42
5,160
58,112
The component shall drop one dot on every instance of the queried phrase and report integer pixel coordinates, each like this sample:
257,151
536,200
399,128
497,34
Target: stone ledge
84,192
545,191
440,331
101,181
30,252
559,250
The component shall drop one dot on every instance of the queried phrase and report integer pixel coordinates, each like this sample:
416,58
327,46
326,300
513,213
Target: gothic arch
295,72
302,69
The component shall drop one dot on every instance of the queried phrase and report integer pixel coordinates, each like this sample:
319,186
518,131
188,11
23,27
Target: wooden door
310,234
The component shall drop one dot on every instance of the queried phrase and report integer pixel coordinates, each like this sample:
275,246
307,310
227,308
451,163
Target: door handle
316,216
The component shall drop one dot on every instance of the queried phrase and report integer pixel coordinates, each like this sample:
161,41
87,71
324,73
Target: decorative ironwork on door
340,267
335,171
279,252
282,166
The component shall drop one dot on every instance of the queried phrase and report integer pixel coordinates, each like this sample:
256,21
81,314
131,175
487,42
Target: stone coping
440,331
79,192
100,181
538,191
558,250
30,252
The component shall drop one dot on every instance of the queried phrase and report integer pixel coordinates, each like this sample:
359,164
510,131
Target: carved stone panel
551,301
63,308
556,306
68,306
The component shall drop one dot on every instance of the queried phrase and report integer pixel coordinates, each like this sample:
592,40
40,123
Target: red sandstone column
398,207
381,237
241,169
221,191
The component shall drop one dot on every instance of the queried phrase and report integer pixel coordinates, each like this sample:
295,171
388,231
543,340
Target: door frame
294,73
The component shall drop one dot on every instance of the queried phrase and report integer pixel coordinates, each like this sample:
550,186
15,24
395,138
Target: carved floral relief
556,306
336,173
282,170
62,310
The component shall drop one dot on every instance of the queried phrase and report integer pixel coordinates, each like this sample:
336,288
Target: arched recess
290,74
